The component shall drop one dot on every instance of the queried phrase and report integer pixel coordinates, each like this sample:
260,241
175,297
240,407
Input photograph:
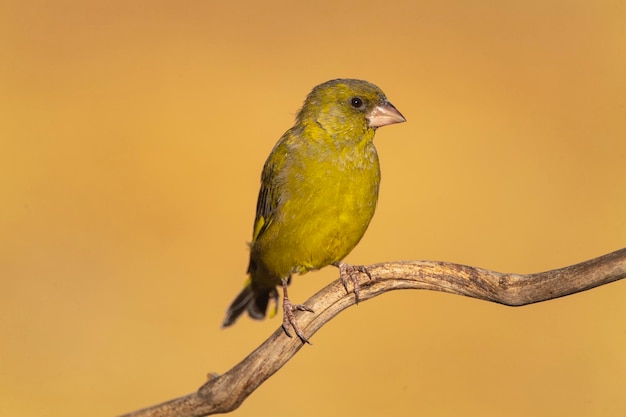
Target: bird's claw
289,319
347,271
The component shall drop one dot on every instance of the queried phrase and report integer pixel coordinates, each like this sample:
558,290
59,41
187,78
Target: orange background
132,135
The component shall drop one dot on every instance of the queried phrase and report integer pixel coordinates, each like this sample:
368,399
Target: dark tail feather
254,301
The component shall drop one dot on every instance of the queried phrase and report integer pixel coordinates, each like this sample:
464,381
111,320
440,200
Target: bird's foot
352,272
289,319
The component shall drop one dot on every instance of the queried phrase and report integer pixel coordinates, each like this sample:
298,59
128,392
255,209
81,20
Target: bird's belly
319,226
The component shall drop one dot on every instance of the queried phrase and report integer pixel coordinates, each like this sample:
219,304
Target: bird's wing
268,201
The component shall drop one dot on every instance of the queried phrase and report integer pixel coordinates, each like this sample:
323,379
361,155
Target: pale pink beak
384,114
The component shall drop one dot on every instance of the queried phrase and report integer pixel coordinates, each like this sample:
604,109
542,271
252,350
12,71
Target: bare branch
224,393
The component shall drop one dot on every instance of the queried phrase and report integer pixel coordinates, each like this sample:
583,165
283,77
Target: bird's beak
384,114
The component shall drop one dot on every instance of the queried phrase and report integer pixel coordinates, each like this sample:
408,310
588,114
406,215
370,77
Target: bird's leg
289,320
352,272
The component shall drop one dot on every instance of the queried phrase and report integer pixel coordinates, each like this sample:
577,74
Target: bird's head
348,107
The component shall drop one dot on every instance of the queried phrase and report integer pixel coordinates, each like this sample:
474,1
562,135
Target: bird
319,189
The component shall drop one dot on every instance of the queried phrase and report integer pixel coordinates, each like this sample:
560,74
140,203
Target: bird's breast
330,207
325,203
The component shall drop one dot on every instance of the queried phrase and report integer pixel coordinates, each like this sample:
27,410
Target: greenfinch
319,189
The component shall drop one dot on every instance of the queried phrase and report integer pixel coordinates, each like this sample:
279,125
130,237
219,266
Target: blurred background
132,136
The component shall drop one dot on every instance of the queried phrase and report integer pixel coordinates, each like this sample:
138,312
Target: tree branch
224,393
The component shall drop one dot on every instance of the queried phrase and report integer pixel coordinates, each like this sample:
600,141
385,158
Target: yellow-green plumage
319,189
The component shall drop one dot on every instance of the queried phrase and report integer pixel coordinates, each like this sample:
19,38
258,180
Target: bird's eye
356,102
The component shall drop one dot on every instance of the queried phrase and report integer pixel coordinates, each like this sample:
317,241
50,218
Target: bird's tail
254,301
